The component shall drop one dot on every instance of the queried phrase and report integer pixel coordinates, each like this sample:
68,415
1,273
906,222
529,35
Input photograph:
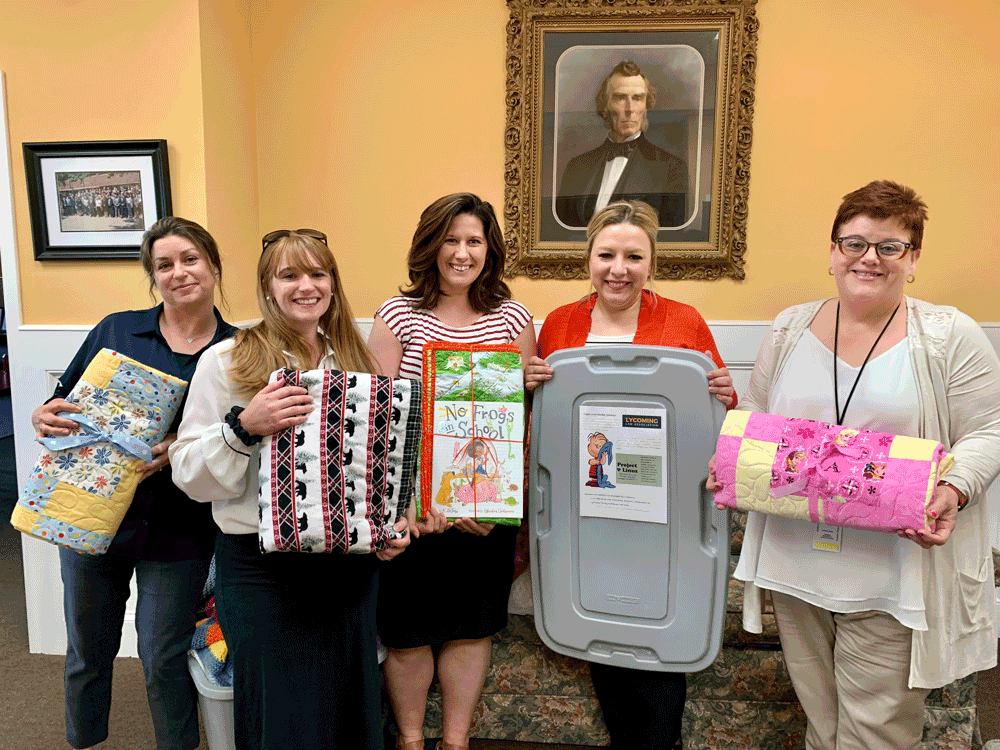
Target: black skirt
300,629
461,582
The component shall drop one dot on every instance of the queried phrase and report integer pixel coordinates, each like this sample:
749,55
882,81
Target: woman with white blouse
870,623
300,627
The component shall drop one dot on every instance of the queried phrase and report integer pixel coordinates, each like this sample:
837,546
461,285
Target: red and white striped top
414,328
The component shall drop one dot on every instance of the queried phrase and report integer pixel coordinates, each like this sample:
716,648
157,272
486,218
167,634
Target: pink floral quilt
823,473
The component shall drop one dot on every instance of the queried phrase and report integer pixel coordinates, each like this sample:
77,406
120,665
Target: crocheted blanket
824,473
82,485
210,648
472,456
338,482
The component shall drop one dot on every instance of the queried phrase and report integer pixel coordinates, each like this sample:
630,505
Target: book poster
623,463
477,415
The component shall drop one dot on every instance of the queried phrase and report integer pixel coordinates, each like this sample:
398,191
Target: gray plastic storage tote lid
629,555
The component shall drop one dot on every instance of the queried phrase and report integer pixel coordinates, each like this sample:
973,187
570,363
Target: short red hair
884,199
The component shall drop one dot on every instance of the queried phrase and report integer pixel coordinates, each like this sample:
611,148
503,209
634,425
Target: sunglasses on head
277,234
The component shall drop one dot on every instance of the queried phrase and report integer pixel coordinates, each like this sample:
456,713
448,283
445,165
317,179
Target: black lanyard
836,336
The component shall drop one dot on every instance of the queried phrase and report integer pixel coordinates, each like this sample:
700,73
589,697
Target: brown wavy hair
884,199
197,235
489,289
260,350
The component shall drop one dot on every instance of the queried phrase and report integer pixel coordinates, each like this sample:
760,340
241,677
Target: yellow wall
852,91
231,147
81,71
365,111
391,118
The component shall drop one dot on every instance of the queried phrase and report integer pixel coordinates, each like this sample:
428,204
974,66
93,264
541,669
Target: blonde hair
260,350
636,213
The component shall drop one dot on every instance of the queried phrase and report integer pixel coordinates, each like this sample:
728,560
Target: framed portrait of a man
629,100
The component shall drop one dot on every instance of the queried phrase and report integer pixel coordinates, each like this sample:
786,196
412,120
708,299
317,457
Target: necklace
194,338
836,336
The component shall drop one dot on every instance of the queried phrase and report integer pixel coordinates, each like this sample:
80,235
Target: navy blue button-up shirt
163,523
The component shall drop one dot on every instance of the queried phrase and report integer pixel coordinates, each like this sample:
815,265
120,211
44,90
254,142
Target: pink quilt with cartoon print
823,473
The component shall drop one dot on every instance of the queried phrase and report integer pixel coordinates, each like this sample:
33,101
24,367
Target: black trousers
643,710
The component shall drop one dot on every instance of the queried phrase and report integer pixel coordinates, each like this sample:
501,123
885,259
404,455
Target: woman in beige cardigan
870,627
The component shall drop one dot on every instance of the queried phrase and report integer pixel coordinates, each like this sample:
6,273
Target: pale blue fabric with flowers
76,496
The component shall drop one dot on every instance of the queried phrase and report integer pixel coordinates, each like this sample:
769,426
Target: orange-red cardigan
662,322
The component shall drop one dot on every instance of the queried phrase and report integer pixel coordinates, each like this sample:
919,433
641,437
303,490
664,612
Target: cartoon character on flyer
599,447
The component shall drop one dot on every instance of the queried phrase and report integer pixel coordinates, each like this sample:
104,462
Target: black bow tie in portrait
613,149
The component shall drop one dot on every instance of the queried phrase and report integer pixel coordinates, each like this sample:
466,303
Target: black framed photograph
646,100
95,199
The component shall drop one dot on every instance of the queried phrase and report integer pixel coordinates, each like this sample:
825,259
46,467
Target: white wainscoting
43,352
36,363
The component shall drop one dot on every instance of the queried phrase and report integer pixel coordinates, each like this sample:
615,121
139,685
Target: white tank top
873,570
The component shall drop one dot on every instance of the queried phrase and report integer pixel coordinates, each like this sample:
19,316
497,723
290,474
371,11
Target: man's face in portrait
626,113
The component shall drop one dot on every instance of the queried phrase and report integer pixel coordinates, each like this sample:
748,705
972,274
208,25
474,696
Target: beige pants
850,673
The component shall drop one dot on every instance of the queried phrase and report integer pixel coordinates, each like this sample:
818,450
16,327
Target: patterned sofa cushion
743,701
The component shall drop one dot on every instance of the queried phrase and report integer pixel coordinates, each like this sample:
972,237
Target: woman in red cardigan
642,709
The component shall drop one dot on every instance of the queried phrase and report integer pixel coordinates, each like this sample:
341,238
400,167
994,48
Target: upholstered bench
744,700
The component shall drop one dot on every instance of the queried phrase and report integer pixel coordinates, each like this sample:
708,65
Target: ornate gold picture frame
674,81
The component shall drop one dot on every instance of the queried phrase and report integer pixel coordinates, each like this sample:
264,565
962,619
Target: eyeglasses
855,247
277,234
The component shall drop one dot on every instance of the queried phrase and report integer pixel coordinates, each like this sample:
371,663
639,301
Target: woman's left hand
472,526
721,384
396,546
160,457
536,372
944,511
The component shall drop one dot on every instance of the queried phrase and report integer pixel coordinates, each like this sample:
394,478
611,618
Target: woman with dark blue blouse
166,538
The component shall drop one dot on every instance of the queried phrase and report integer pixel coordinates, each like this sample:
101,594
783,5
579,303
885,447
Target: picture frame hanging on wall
93,200
666,84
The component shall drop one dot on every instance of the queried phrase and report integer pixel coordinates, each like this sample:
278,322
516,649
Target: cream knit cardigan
958,383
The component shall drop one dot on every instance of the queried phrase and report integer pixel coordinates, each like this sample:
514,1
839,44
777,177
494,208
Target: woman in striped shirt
456,293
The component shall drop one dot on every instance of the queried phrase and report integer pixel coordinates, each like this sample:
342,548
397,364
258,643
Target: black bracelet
233,420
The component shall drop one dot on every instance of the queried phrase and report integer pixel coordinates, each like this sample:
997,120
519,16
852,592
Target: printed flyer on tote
623,463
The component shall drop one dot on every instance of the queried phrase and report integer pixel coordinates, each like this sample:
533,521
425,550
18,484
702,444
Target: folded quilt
338,482
823,473
210,650
472,456
82,484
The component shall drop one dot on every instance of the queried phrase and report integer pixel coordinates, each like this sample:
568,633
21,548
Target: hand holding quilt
338,482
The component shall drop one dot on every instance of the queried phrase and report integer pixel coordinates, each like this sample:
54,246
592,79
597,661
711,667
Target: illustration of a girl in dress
474,475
